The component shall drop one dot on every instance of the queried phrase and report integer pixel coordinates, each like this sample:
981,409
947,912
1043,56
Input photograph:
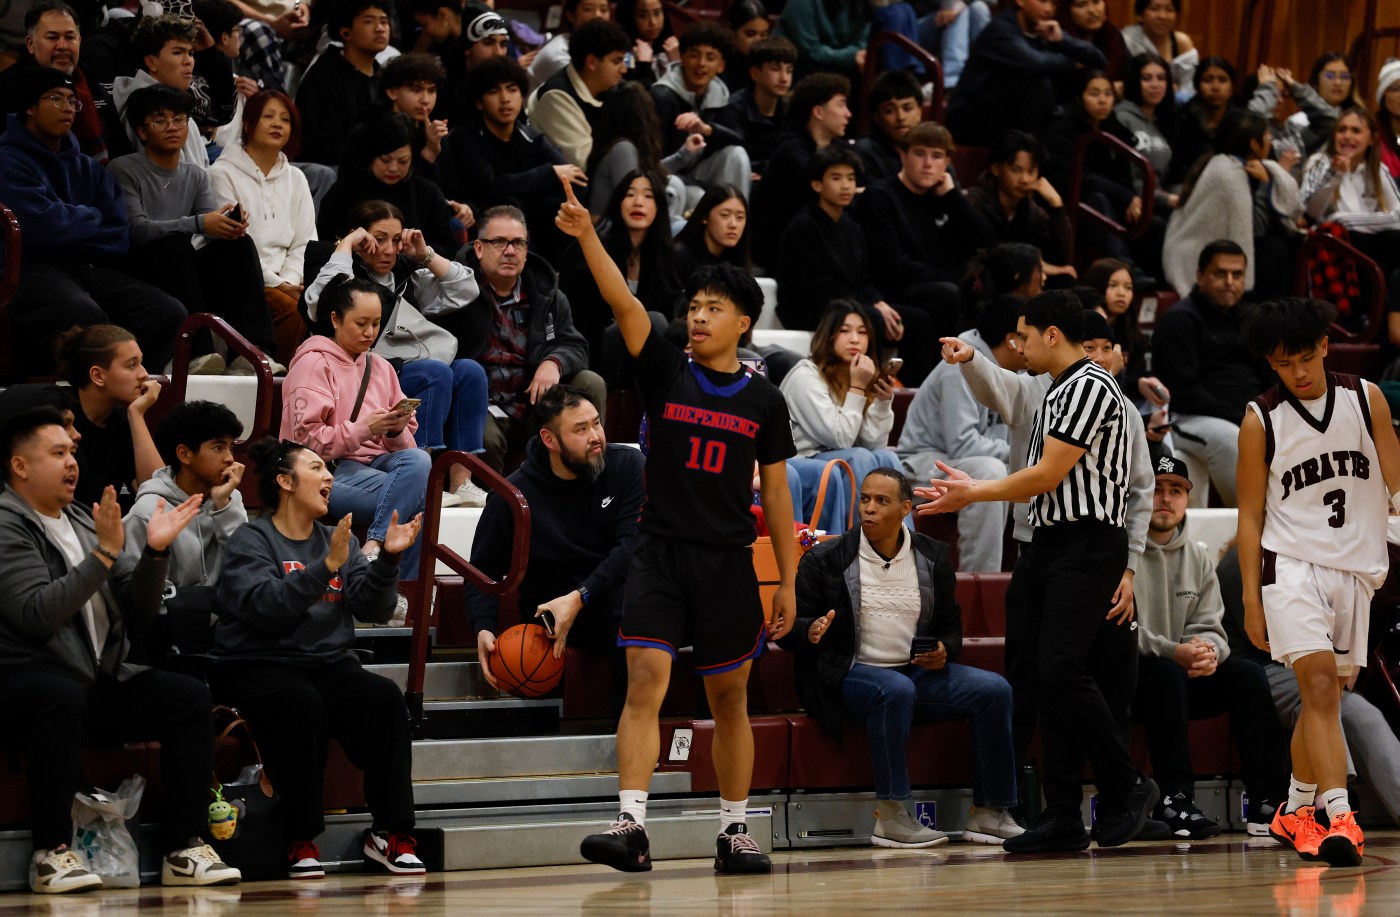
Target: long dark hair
1353,99
655,250
1232,138
1166,114
626,16
628,114
692,235
1125,326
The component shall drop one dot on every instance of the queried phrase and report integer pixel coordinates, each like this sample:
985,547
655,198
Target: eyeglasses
500,245
162,121
73,103
1336,75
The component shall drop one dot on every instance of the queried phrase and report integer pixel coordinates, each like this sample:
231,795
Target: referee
1076,480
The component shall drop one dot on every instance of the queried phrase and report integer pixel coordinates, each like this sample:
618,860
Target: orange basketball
523,661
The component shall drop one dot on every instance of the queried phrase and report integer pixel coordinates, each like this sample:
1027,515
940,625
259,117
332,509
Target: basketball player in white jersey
1318,463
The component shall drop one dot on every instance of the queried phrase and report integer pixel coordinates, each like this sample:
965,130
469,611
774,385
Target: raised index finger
569,190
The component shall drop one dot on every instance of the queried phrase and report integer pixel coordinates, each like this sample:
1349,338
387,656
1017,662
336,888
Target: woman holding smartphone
841,402
343,401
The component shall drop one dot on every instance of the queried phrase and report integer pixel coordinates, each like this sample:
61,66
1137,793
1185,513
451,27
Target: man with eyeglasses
52,39
520,329
74,225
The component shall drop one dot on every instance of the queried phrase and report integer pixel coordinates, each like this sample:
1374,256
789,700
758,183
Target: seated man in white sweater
877,637
1186,671
946,424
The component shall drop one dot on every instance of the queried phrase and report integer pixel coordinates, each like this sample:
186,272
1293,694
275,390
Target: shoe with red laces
304,861
1343,844
394,852
1297,829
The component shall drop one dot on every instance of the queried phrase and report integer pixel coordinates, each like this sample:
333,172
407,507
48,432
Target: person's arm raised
631,315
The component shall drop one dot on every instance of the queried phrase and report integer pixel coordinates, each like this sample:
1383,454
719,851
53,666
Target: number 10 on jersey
706,455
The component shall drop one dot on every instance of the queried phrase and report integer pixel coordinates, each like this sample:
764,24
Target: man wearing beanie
1186,672
74,224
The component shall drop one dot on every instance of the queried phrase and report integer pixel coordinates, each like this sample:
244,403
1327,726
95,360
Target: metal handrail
868,72
262,368
1078,209
1375,318
420,591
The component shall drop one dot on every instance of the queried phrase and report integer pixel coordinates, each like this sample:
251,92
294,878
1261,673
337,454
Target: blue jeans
952,43
393,481
888,701
453,412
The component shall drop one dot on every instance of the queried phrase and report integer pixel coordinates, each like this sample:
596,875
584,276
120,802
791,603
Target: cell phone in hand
547,620
892,366
408,404
923,645
236,213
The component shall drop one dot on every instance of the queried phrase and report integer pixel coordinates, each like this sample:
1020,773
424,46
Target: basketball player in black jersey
692,581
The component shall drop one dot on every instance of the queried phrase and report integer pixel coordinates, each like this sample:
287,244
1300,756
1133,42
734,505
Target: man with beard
585,499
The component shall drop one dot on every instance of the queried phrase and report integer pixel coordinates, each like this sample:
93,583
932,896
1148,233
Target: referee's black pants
1085,664
296,710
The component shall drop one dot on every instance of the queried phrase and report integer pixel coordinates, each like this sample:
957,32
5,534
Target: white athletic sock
732,812
1336,802
1299,794
634,803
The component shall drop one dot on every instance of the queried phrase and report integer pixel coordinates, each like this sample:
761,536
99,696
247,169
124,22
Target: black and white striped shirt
1085,408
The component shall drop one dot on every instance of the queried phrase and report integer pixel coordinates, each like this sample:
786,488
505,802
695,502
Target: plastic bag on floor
100,834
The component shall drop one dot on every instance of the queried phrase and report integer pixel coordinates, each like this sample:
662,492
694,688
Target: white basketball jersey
1327,500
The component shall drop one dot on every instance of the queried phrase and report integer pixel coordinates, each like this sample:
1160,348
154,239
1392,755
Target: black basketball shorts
680,593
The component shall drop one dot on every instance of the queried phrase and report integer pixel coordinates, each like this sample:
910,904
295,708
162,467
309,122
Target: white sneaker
895,827
470,495
211,364
394,852
990,827
58,871
240,367
197,864
400,617
450,498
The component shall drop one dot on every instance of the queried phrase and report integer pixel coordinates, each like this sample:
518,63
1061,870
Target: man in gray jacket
65,677
947,424
1186,671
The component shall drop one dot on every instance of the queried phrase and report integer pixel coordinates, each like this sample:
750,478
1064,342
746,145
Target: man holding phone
878,629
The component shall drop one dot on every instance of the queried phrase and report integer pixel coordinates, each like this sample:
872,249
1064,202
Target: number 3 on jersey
1337,499
706,455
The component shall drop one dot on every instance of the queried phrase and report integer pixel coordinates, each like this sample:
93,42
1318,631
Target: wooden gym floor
1226,875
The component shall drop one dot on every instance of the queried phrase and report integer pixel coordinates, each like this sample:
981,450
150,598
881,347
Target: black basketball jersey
705,430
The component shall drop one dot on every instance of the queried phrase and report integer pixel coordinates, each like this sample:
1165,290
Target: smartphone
923,645
546,619
408,404
892,366
236,213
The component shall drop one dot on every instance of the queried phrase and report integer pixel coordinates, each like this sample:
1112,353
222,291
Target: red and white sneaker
304,861
394,852
1343,844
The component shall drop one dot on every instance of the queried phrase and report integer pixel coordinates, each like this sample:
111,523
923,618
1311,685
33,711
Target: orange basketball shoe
1297,829
1343,844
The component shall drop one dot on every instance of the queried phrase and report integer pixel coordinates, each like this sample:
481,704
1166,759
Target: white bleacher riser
1213,528
768,318
796,341
237,393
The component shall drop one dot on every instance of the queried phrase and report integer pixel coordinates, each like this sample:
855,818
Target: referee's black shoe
1051,832
623,846
1123,821
736,852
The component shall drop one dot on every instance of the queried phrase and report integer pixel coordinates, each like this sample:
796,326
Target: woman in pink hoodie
344,402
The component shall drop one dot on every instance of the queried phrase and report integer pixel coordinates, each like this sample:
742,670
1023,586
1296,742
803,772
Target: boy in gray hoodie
196,437
691,99
1186,672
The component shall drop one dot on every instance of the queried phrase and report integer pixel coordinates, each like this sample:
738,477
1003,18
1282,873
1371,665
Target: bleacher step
688,834
561,787
441,679
533,756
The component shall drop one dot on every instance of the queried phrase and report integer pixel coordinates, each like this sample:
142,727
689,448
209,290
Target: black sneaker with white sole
624,846
736,852
1184,819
